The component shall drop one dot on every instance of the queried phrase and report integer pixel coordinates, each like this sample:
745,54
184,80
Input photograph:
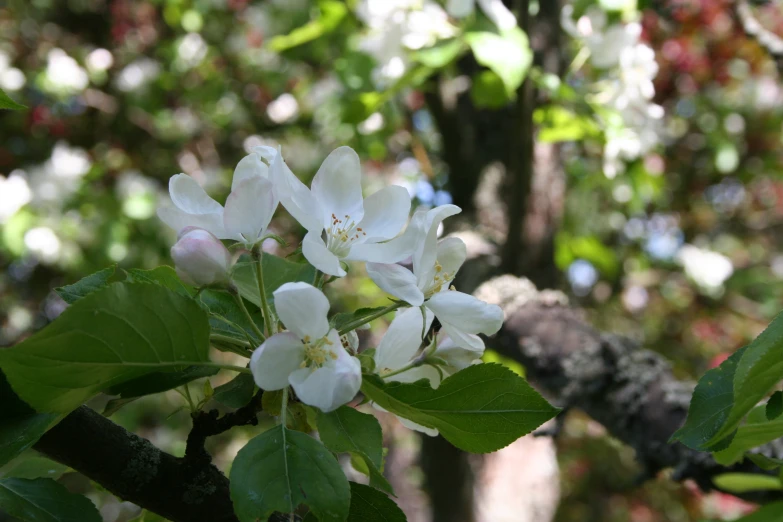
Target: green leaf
109,337
31,466
712,399
507,54
87,285
345,318
441,54
277,271
488,91
115,405
158,382
756,432
764,462
774,405
479,409
332,13
237,392
557,124
346,430
744,482
20,425
162,275
767,513
226,318
281,469
44,500
7,103
370,505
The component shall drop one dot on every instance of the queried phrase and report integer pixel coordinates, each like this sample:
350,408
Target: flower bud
200,258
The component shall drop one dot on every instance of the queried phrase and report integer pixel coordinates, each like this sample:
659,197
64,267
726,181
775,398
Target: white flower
494,9
434,266
309,356
400,345
605,44
342,225
249,207
708,269
200,258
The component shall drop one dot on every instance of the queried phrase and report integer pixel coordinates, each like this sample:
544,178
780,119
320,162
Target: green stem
368,318
265,309
284,407
230,367
241,303
318,280
413,364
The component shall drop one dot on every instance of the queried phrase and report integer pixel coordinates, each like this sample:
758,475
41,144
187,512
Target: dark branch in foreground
631,391
130,467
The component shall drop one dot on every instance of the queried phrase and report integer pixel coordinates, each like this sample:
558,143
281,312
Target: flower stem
318,280
241,303
284,407
265,309
413,364
230,367
368,318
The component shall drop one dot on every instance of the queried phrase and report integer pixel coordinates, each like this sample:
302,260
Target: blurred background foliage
674,238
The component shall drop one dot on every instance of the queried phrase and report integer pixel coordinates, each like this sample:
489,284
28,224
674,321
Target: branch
631,391
130,467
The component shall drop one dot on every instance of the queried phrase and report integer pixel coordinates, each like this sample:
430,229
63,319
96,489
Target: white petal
295,196
249,209
315,251
338,186
402,340
468,340
200,258
460,8
498,13
276,359
251,166
470,314
416,374
426,252
385,213
451,254
396,280
179,219
460,354
303,308
330,386
190,197
394,251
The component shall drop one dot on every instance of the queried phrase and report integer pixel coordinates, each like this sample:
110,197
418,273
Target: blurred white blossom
64,74
708,269
283,109
192,49
99,60
14,194
43,243
60,176
137,74
11,78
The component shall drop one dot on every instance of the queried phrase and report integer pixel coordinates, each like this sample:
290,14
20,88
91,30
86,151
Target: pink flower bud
200,258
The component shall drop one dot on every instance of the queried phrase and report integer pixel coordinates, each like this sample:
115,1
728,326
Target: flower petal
337,186
498,13
303,308
460,8
460,355
426,253
200,258
179,219
470,314
315,251
385,213
294,195
416,374
331,385
402,340
451,254
251,166
462,338
190,197
394,251
249,209
276,359
396,280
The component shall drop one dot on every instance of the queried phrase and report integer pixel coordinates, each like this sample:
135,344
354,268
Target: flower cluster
307,352
626,68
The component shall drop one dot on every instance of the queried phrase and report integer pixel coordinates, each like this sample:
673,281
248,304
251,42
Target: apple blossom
342,225
494,9
308,356
200,258
434,266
